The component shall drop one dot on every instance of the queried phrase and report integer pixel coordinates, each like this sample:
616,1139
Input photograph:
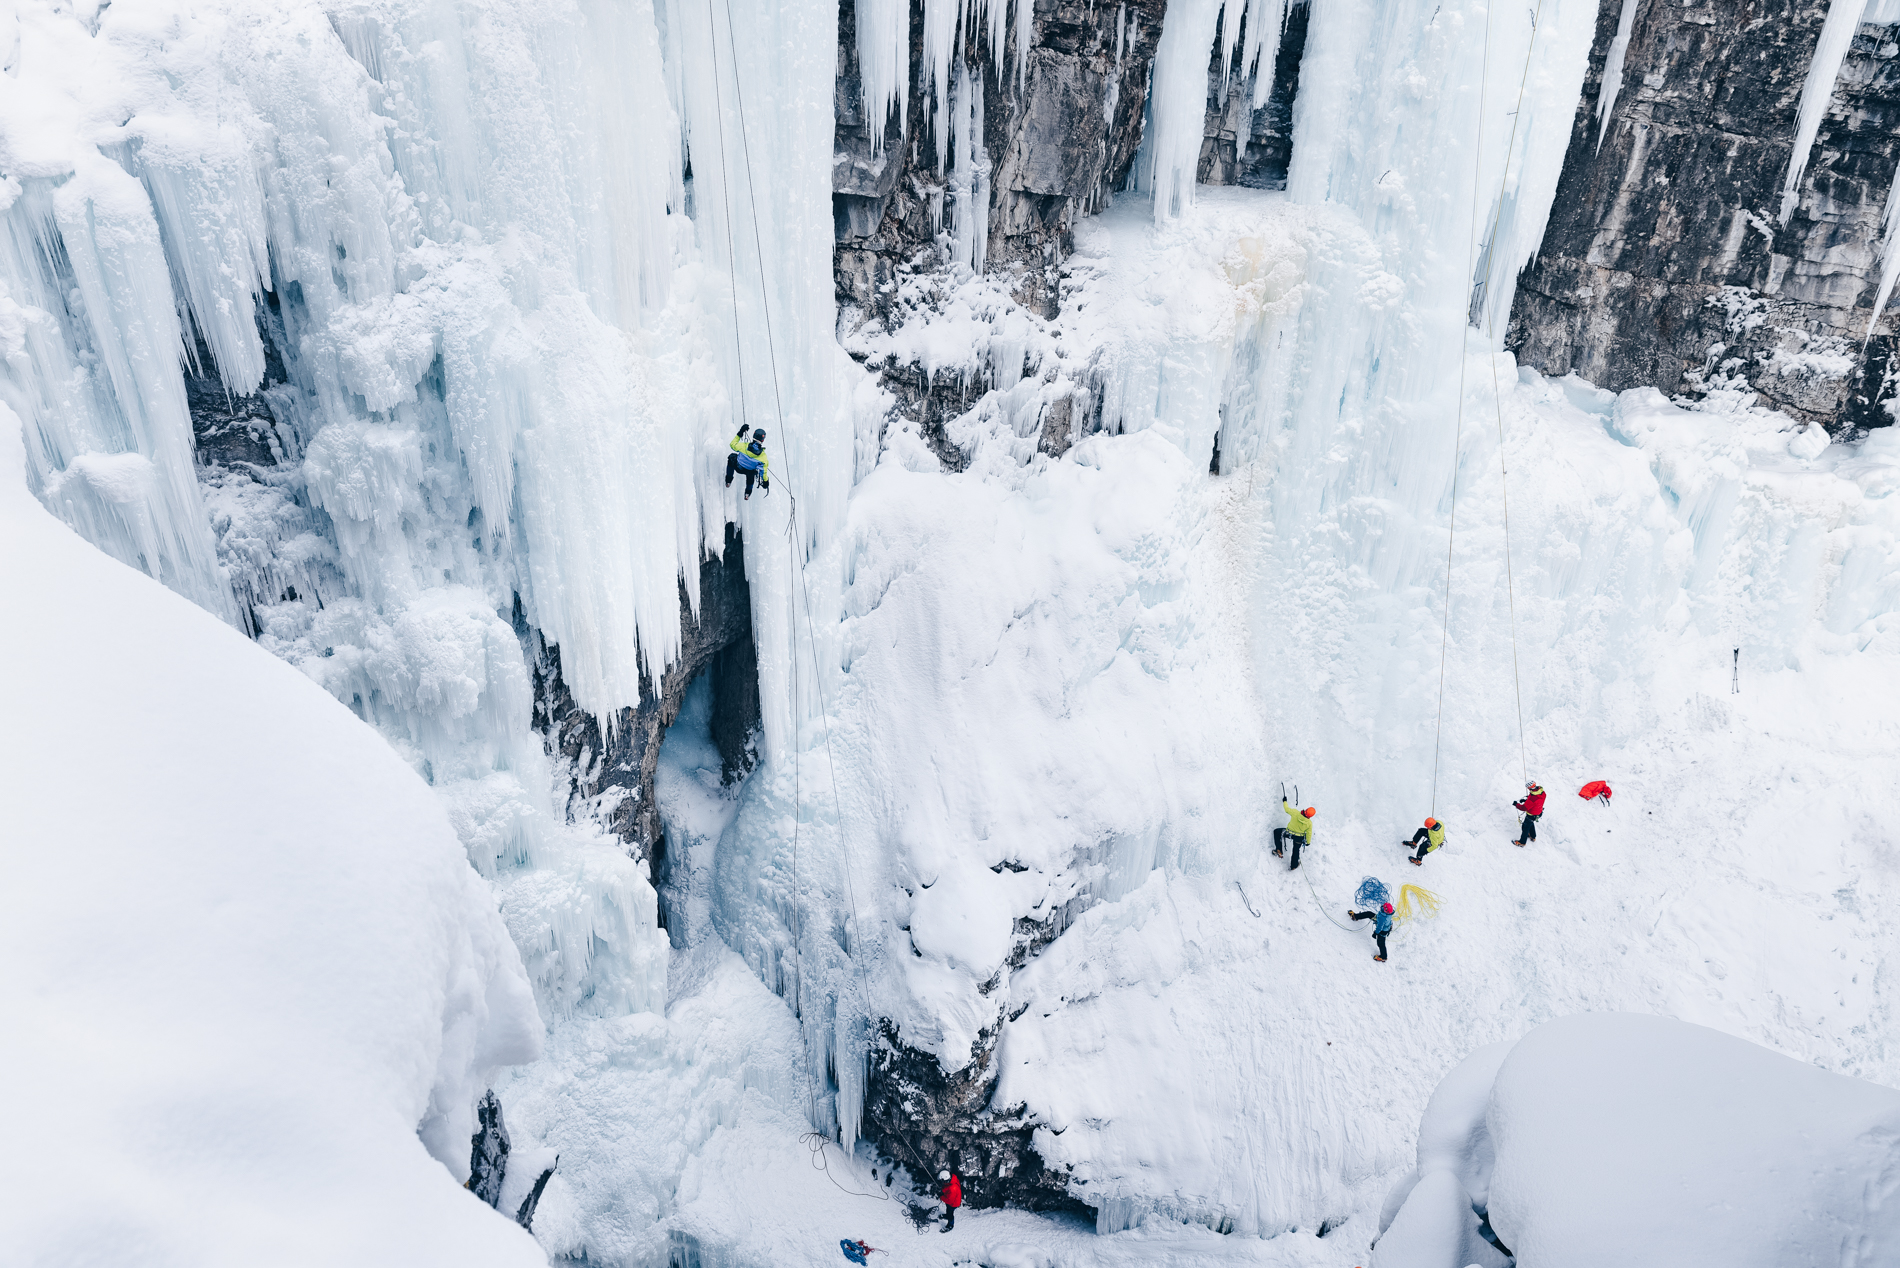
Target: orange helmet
1309,812
1431,823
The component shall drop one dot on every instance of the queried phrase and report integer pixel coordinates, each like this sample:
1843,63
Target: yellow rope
1428,904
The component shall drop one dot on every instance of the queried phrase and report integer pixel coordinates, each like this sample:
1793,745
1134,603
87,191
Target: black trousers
1280,837
733,469
1529,832
1377,936
1421,838
949,1218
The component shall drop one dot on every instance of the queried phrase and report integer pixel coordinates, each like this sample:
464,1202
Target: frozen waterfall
1046,600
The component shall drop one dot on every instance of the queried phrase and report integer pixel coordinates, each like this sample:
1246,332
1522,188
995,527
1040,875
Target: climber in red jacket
1533,807
952,1199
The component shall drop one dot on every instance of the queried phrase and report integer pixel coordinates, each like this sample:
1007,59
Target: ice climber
748,455
1381,925
1428,838
1533,807
1299,828
952,1199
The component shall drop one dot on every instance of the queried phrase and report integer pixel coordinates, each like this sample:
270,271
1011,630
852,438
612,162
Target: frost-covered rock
252,982
1616,1138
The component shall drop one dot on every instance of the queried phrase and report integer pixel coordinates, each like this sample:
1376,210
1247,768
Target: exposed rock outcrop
489,1149
612,768
1054,145
1667,260
931,1121
1246,146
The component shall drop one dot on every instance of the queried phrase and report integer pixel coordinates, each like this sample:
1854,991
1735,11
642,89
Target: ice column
93,353
1837,35
1613,69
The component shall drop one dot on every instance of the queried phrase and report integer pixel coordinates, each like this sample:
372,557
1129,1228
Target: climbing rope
1322,906
1497,390
1471,266
814,1141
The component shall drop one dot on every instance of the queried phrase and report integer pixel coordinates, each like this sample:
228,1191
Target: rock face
1054,145
488,1151
612,768
930,1122
1244,146
1669,260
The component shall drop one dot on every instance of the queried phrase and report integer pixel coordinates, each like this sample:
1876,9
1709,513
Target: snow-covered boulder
251,983
1615,1138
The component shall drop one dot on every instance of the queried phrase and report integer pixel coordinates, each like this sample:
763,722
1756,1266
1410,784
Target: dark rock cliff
1244,146
1053,148
1666,261
612,768
932,1121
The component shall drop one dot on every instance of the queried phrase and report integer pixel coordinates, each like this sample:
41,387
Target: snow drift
252,982
1624,1139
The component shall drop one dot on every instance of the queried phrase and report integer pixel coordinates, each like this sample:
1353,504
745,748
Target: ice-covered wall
451,247
492,284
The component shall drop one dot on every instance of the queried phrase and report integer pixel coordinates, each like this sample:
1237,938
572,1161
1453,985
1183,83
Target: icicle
109,444
1171,151
1889,253
1837,35
1613,69
884,65
970,176
1266,26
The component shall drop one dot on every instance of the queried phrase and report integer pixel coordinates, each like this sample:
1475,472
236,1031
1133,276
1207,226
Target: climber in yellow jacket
1428,838
748,455
1299,829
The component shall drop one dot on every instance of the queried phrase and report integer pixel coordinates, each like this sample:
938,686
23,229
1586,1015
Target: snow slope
1619,1138
252,984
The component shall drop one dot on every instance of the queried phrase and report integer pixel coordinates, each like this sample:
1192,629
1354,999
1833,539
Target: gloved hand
767,489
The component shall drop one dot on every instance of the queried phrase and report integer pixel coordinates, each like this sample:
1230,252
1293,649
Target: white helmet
943,1175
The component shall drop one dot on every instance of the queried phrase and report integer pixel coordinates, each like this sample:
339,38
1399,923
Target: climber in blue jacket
748,455
1381,925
